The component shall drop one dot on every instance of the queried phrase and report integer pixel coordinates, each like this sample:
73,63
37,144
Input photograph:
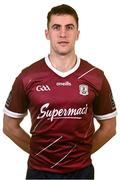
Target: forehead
62,19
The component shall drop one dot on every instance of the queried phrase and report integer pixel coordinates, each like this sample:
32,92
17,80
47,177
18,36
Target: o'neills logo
61,113
67,83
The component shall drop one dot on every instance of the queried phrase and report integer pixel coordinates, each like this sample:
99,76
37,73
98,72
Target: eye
56,27
69,27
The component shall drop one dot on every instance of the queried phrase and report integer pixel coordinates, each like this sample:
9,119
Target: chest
58,91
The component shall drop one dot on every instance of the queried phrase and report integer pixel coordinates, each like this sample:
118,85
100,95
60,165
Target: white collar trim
62,74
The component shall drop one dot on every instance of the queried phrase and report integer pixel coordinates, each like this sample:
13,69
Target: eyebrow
70,25
60,25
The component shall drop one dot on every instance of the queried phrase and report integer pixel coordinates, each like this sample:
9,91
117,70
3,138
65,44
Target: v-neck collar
60,73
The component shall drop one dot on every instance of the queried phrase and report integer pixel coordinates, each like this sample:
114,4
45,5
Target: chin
63,53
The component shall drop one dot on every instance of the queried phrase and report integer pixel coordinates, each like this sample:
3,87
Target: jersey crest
83,89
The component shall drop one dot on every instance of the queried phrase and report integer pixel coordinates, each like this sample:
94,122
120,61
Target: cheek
74,36
73,39
52,36
53,42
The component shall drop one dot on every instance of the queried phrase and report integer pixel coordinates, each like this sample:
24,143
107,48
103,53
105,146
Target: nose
63,32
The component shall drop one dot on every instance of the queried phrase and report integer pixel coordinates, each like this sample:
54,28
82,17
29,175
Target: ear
47,34
78,33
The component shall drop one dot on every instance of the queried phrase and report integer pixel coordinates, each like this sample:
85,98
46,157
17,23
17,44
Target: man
63,94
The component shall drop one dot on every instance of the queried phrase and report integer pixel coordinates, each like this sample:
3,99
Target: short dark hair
62,10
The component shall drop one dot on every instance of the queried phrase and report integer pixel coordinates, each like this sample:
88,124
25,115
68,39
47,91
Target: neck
63,63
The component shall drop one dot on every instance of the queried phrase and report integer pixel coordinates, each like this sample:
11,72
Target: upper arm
16,105
104,105
10,123
108,124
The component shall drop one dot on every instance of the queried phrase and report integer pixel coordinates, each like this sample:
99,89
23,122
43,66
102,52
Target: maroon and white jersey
62,106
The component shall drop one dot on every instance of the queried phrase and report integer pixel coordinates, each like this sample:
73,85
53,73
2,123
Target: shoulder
35,67
32,72
91,74
90,69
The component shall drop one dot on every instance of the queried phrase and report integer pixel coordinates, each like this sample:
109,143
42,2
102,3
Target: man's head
62,10
62,29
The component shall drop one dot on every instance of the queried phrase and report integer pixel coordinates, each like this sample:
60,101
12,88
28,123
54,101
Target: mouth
63,42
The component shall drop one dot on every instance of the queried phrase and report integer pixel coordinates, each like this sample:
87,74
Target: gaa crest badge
83,89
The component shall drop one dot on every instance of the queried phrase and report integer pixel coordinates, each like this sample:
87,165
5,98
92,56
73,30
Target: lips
63,42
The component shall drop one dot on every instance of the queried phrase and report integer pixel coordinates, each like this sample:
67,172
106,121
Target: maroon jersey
62,106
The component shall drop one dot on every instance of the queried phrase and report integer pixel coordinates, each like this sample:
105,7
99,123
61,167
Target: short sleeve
17,103
104,105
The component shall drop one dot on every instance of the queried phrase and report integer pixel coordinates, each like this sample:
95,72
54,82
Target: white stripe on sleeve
14,114
106,116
